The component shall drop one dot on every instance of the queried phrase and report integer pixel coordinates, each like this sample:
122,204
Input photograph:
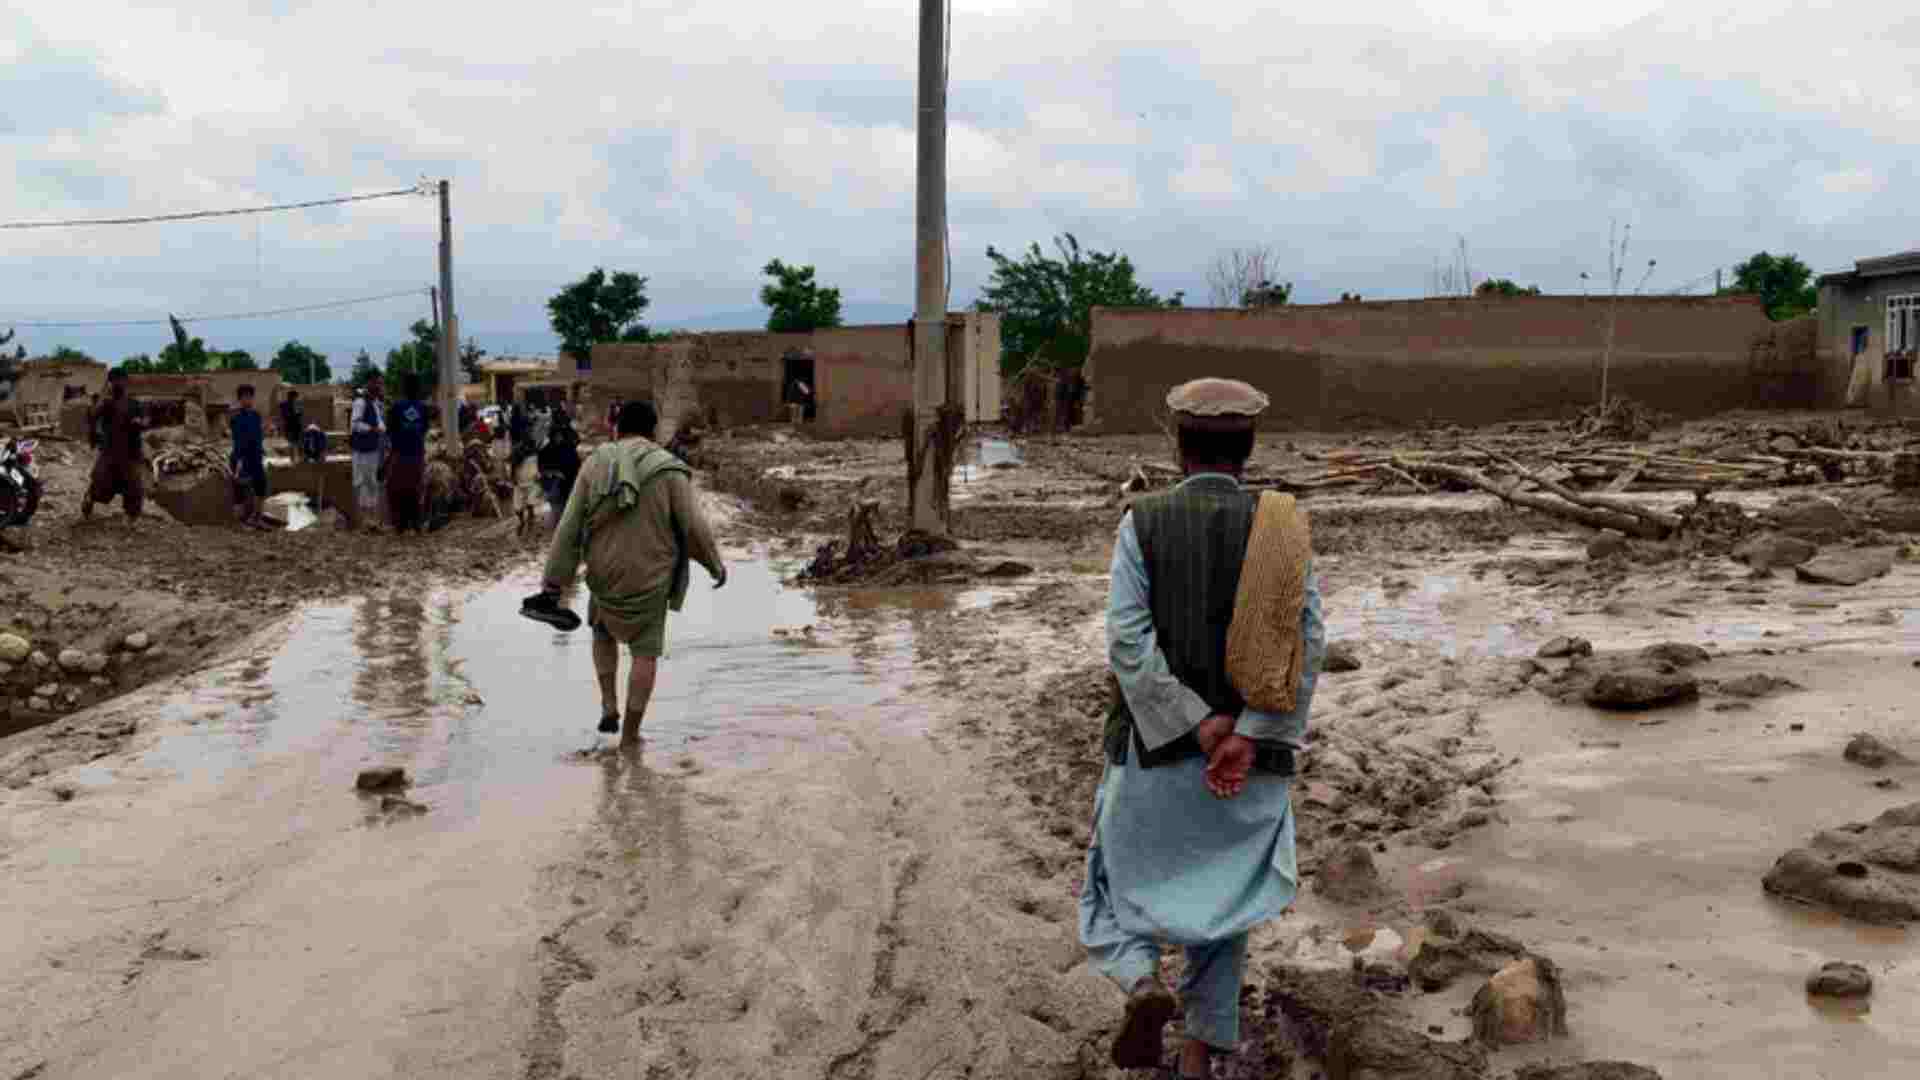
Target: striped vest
1193,540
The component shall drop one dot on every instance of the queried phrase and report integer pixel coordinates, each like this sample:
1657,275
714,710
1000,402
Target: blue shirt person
248,459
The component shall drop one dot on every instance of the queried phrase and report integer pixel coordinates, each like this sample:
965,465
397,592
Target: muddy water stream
224,903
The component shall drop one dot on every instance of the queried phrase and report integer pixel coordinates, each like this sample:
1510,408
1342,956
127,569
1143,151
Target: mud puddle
225,886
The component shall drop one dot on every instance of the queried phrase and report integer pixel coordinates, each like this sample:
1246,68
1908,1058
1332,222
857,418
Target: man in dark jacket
119,470
559,466
407,421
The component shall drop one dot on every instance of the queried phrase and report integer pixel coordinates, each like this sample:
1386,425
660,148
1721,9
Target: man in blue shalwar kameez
1193,828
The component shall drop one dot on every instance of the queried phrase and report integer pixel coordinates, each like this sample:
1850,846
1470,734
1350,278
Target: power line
231,315
199,214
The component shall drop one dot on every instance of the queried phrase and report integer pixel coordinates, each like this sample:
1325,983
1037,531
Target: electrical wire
200,214
228,316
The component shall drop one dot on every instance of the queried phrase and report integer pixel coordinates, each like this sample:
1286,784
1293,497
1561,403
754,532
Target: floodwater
224,903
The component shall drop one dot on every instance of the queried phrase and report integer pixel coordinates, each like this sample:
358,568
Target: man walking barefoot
633,517
1193,828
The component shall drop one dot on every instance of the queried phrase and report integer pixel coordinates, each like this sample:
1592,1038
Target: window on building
1903,334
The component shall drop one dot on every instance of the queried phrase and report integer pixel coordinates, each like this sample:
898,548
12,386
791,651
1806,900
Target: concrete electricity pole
927,505
449,370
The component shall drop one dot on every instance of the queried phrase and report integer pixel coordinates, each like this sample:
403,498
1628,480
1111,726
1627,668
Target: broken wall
1454,360
1849,302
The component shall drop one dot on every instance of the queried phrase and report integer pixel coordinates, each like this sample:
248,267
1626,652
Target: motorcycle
19,482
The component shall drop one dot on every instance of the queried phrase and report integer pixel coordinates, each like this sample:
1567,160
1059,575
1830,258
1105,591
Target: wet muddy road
795,877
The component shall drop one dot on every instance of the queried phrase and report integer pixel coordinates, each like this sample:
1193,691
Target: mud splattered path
796,877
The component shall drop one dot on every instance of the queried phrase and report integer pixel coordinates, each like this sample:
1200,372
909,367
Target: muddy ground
194,591
854,844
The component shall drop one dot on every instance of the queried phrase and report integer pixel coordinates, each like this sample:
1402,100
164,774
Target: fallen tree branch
1598,517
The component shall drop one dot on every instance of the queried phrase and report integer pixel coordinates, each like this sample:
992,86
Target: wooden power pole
927,468
449,370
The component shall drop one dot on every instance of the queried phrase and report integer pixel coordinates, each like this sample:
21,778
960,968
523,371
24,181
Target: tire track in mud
876,1024
560,969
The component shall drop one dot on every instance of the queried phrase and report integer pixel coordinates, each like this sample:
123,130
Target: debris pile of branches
861,557
1619,418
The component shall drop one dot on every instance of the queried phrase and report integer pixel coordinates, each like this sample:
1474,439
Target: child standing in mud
1193,822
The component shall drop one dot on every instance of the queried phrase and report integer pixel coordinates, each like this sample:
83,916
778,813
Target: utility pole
927,467
449,384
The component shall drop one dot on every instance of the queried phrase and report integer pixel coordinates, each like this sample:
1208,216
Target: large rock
1606,546
1811,517
137,641
1871,751
94,664
1768,550
1837,979
1869,871
14,648
1847,567
1587,1070
1522,1003
1897,513
1372,1048
72,659
1640,688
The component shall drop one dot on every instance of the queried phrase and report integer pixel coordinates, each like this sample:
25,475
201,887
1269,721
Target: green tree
1349,297
137,364
598,308
1046,304
364,369
1267,294
1783,283
69,353
1505,287
421,355
470,357
9,359
298,363
795,304
185,359
234,360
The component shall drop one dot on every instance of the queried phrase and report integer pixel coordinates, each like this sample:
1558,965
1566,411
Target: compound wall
1456,360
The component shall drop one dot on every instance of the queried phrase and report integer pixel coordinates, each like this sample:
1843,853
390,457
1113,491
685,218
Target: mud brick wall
1455,360
865,379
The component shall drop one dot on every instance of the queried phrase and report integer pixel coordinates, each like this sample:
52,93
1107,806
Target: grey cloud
49,91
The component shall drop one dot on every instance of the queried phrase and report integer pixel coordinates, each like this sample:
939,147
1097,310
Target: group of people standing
388,441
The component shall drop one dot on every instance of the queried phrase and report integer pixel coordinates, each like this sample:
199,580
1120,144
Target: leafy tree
364,369
68,353
297,363
470,357
183,359
236,360
598,308
1046,304
1783,283
1504,287
421,355
137,364
795,305
1267,294
8,360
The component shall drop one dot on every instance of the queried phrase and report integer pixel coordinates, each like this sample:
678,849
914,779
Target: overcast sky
691,142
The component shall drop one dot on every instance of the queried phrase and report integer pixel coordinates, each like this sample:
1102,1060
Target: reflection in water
642,813
392,678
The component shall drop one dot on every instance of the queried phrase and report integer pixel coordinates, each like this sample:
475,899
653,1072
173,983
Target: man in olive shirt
633,517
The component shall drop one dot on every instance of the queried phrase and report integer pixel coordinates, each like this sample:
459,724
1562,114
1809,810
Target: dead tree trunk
1645,524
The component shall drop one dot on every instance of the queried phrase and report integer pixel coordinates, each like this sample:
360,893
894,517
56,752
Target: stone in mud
1869,750
382,778
1837,979
400,804
1640,688
1521,1003
39,659
39,704
1768,550
94,664
1438,964
1811,517
1587,1070
1897,514
1341,656
1850,567
1867,871
1676,653
1606,545
14,648
137,641
72,659
1373,1048
1758,684
1562,647
1348,875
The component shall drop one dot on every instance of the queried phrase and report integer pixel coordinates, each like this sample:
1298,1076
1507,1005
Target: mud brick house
1870,327
41,387
1454,360
861,376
